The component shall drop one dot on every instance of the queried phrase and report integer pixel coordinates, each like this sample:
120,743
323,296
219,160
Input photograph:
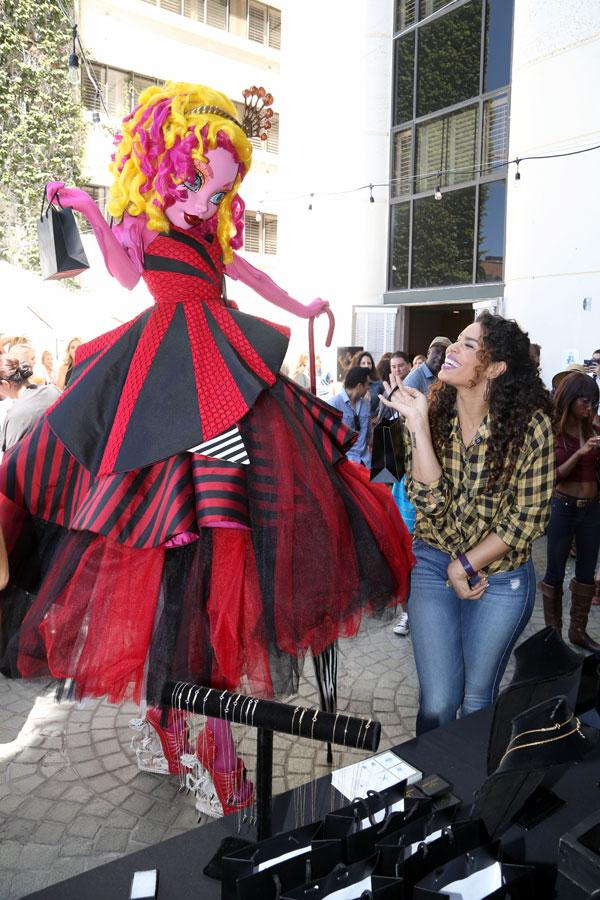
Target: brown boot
596,598
552,595
581,600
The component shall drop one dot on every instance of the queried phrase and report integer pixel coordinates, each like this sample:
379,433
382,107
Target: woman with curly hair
480,472
575,506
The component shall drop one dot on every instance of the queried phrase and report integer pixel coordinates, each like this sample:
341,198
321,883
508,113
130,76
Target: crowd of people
30,382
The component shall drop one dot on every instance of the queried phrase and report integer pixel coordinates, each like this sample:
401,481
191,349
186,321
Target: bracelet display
471,573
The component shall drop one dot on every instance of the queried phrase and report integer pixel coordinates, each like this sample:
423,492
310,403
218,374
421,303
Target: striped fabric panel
228,446
220,492
141,509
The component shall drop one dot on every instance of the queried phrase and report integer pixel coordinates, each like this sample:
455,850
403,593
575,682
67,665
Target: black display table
457,752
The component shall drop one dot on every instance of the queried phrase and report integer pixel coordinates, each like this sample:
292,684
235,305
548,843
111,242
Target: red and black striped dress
183,512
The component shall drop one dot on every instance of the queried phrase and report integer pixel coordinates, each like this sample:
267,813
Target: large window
498,44
449,59
264,24
400,231
443,232
120,90
260,232
447,145
211,12
450,117
490,237
404,64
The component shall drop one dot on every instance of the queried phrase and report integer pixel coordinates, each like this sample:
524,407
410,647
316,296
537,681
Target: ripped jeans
462,647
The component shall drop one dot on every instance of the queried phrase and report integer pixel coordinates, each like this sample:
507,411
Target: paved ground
71,796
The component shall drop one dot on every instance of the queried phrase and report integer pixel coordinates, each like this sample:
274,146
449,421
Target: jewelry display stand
268,716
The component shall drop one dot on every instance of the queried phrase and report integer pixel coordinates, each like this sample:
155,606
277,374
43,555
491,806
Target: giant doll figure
184,512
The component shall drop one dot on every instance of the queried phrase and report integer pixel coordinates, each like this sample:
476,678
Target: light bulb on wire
73,61
437,194
371,197
257,215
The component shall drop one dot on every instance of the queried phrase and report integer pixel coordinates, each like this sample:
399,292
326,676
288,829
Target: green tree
41,125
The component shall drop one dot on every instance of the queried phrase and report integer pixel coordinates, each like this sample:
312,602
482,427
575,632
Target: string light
73,62
486,170
371,197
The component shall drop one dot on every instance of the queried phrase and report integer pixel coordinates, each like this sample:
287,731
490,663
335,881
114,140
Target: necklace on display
558,737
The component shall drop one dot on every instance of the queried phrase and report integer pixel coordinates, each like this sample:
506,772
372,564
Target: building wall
553,211
336,72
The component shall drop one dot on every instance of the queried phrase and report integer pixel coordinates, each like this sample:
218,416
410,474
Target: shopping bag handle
50,201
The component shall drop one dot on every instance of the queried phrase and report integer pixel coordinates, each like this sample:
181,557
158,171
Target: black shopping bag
387,462
61,251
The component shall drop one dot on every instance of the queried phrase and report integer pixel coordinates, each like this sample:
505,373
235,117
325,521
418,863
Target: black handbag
61,251
387,458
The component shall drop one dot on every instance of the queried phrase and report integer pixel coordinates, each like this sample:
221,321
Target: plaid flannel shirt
455,512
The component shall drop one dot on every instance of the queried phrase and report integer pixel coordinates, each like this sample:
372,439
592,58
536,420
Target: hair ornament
257,112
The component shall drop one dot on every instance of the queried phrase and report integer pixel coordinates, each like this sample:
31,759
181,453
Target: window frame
479,177
266,219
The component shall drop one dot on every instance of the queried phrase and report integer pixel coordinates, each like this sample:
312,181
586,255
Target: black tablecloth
457,752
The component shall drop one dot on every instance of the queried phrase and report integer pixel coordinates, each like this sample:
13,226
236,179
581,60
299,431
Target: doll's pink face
214,179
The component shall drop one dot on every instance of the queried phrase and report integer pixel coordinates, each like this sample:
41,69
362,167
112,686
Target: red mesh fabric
172,287
328,544
236,605
94,626
219,399
237,634
154,332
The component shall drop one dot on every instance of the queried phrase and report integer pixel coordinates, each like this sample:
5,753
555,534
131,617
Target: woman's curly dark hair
513,397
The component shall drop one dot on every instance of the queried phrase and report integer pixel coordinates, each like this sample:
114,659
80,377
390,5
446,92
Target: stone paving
71,795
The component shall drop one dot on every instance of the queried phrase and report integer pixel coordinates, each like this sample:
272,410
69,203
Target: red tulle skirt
275,560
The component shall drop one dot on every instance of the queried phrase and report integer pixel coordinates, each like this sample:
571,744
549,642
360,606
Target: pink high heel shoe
174,739
228,785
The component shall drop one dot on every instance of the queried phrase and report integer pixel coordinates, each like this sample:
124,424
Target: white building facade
407,96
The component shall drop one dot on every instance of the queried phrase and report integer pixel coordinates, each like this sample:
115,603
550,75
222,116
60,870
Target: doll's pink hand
316,308
56,192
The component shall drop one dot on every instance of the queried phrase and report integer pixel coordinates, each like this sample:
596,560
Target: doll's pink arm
241,269
115,256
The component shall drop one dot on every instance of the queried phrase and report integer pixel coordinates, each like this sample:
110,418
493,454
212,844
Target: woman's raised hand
409,402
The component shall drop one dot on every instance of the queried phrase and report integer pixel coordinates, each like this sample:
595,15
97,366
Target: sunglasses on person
356,421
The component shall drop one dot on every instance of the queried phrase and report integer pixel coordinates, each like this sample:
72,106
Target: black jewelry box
579,860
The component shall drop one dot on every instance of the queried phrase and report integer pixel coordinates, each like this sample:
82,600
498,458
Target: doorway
423,323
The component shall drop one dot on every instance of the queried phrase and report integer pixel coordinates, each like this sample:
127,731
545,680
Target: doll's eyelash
196,184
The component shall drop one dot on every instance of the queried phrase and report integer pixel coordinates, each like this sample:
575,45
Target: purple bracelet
471,573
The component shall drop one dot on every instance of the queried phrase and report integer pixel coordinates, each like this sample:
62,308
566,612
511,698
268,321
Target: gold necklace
559,737
556,727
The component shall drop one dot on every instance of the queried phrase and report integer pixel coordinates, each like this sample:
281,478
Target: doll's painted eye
194,185
216,198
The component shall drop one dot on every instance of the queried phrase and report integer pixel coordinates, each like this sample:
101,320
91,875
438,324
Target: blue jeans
567,522
462,647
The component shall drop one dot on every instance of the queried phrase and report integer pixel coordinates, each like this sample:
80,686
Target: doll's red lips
192,220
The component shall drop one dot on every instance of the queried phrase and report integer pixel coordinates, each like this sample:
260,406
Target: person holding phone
480,472
575,505
593,367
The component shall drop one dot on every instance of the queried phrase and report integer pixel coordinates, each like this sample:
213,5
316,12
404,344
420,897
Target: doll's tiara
257,112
